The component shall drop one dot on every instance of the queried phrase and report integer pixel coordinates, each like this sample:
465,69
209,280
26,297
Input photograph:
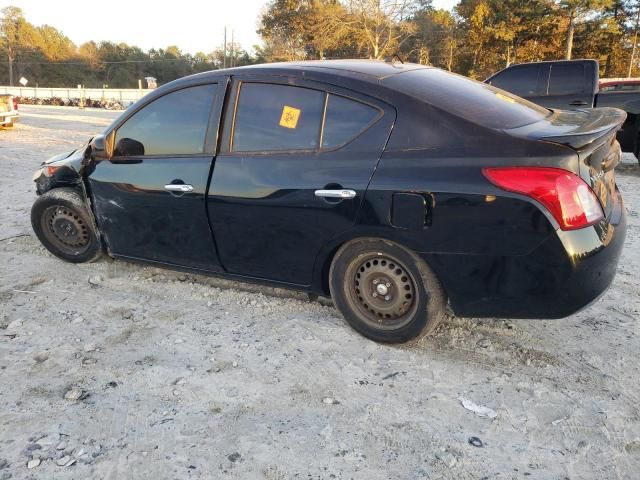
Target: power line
88,62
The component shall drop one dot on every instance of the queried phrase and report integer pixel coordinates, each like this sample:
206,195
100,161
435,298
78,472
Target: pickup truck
572,85
8,110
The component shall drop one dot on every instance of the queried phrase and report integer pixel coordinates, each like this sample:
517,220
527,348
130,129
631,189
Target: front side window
522,81
277,117
175,124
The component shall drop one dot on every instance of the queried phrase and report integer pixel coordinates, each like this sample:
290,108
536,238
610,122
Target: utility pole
232,62
635,42
224,52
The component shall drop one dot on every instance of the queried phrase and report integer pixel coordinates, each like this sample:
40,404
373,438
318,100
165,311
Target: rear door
295,162
571,85
149,198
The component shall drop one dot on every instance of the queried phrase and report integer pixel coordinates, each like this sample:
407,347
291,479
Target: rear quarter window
465,98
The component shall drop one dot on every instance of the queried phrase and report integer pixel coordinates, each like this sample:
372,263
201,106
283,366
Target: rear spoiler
574,128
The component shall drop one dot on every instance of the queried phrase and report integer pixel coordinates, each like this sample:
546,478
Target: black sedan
394,188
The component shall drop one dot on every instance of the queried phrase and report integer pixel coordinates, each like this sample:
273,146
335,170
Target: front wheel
384,291
61,222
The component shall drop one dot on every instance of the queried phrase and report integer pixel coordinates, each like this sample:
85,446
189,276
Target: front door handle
578,103
341,193
179,187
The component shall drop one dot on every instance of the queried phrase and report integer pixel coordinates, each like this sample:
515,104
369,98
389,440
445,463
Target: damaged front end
68,169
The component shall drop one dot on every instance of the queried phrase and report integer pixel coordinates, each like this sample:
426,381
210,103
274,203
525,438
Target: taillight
15,104
567,197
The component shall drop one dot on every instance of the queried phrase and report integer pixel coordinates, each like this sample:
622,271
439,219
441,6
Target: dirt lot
183,376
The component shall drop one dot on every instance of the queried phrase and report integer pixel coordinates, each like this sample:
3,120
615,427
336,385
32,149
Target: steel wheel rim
66,230
382,290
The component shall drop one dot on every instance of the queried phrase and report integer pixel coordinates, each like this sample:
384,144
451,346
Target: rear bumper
8,118
564,274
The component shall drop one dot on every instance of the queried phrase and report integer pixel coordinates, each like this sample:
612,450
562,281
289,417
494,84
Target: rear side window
524,81
465,98
345,119
175,124
277,117
567,78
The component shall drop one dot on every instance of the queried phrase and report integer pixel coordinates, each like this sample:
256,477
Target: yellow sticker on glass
505,98
289,117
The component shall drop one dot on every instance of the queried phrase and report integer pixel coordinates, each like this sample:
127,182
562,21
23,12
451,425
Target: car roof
367,70
377,69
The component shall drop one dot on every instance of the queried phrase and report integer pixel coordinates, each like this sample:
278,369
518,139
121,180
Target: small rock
90,347
89,361
235,364
176,393
33,463
78,452
41,357
96,280
46,441
112,384
61,446
234,457
78,319
447,458
330,401
75,394
484,343
476,442
178,340
64,461
15,324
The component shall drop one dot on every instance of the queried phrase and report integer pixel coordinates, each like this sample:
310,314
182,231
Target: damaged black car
396,189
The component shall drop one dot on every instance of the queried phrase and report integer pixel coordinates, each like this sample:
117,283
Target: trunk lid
592,135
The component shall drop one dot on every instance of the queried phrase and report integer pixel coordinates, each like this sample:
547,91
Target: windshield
474,101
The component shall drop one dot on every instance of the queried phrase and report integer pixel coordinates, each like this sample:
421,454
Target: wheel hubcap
66,229
383,290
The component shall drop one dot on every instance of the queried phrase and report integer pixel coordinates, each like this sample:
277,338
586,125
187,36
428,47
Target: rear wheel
61,222
9,124
384,291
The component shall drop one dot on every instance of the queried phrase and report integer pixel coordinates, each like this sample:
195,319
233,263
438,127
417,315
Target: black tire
384,291
62,224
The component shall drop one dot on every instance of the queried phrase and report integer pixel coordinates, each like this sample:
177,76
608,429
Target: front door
295,162
149,198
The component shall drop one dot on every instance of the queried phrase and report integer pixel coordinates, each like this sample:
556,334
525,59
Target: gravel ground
112,370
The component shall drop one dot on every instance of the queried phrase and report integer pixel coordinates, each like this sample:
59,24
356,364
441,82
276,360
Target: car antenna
392,59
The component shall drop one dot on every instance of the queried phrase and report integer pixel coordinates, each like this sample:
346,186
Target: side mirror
99,150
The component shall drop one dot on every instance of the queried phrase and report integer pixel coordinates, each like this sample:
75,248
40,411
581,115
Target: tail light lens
15,104
567,197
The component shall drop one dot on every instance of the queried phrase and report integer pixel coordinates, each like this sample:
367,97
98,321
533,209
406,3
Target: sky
195,26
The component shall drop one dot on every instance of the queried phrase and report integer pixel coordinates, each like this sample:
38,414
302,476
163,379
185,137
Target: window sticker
505,98
289,117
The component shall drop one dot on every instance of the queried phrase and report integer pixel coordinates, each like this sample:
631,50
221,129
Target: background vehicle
390,187
619,85
8,110
572,84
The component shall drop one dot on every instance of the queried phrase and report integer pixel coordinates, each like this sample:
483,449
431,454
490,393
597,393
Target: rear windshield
474,101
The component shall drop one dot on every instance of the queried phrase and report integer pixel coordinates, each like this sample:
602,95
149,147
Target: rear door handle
578,103
180,187
342,193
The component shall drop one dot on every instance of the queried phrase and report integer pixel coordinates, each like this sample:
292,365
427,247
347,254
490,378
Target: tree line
476,38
